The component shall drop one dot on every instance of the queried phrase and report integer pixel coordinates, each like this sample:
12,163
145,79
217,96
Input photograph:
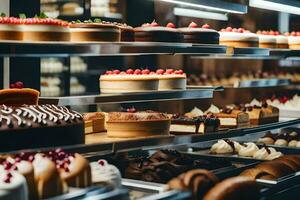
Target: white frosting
16,189
266,38
155,28
188,29
105,174
40,164
294,39
234,36
263,154
213,109
196,112
128,77
248,150
281,142
96,29
6,27
221,147
281,39
255,102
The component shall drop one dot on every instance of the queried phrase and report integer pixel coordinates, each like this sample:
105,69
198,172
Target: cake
230,117
266,39
137,124
94,122
105,174
39,126
12,186
19,96
240,37
281,41
11,28
294,40
203,35
94,31
194,122
155,33
45,29
171,79
127,32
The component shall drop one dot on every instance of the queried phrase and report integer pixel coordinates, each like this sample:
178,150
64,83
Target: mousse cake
266,39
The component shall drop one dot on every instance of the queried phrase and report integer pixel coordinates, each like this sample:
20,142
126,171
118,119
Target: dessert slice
171,79
17,95
94,122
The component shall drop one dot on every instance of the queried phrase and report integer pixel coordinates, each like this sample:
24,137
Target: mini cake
45,29
294,40
202,35
11,28
94,122
234,37
266,40
17,95
171,79
12,186
156,33
94,31
137,124
230,118
105,174
39,126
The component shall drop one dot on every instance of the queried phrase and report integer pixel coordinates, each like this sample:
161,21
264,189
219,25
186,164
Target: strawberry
229,29
145,71
129,71
193,25
160,71
171,25
137,72
116,71
206,26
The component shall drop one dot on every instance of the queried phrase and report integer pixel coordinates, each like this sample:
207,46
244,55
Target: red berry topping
6,180
240,30
293,33
154,23
229,29
129,71
298,33
131,110
7,165
145,71
223,30
206,26
152,73
171,25
108,72
160,71
193,25
12,85
178,71
116,71
101,162
169,71
19,85
286,34
137,71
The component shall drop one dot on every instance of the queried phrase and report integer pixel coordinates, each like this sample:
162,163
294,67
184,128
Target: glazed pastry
248,149
266,153
12,186
225,147
235,188
269,138
105,174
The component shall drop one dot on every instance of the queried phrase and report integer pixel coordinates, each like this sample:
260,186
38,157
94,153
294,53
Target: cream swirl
266,153
248,150
225,146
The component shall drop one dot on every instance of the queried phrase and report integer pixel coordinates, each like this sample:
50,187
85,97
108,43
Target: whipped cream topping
267,153
281,39
235,36
248,150
266,38
255,102
281,142
225,146
213,109
196,112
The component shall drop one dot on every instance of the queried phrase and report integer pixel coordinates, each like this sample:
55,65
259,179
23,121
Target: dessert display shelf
248,51
285,53
130,97
263,83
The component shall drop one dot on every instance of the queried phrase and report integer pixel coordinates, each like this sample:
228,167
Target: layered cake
230,117
137,124
94,122
171,79
39,126
153,32
203,35
281,40
45,29
266,39
94,31
240,37
17,95
293,40
11,28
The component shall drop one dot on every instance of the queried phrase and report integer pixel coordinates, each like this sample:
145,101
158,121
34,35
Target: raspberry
171,25
129,71
154,23
116,71
146,71
193,25
160,71
137,71
19,85
229,29
206,26
169,71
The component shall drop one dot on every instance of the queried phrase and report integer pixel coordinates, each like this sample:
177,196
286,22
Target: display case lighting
199,14
216,5
287,6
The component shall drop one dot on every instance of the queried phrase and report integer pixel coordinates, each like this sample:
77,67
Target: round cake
171,79
11,28
294,40
202,35
48,29
156,33
266,40
90,31
240,37
137,124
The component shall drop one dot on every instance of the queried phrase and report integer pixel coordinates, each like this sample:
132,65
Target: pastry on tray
289,139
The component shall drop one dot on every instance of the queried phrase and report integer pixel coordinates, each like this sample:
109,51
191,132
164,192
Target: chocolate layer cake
39,126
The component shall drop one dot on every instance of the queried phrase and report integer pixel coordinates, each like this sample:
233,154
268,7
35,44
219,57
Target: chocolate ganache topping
36,116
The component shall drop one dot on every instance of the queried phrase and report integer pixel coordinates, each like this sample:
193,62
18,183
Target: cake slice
18,97
94,122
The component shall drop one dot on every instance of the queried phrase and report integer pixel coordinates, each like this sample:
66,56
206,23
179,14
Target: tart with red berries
94,31
18,96
238,37
155,33
293,40
203,35
171,79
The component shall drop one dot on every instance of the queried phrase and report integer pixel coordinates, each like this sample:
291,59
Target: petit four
240,37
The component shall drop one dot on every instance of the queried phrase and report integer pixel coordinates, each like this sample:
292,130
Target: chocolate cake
34,126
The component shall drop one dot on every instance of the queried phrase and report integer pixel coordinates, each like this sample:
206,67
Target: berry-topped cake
153,32
238,37
266,39
137,124
11,28
94,31
17,95
33,126
196,34
281,40
127,32
293,40
140,80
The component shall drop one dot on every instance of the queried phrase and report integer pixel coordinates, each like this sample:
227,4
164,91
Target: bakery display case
152,112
